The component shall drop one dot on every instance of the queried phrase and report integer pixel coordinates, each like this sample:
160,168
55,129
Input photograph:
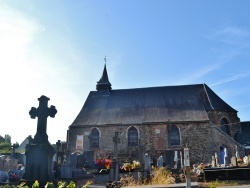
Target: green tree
8,138
5,147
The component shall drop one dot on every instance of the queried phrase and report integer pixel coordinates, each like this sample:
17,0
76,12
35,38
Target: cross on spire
103,83
42,112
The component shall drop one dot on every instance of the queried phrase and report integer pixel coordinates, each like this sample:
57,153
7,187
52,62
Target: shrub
158,176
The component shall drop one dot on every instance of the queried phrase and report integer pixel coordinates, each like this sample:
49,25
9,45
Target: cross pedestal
39,154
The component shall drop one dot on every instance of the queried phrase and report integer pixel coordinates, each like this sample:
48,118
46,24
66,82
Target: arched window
224,126
174,136
95,135
132,137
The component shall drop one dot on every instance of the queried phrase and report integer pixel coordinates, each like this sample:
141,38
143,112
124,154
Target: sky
57,48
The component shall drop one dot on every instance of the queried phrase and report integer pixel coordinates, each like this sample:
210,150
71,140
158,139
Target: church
160,120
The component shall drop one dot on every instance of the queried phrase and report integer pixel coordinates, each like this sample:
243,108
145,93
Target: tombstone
175,159
216,159
181,160
213,161
160,162
169,155
147,166
237,153
140,155
14,147
147,162
225,157
86,160
73,159
70,166
234,161
66,171
22,159
39,153
245,160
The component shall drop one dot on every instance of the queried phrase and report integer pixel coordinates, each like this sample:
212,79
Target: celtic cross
42,113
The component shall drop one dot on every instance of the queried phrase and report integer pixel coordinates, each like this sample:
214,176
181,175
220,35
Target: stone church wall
231,117
201,138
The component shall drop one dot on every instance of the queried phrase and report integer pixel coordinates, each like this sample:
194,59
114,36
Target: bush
159,176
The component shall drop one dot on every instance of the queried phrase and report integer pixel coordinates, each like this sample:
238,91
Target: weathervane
105,59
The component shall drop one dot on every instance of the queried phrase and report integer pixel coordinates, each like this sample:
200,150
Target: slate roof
244,136
150,105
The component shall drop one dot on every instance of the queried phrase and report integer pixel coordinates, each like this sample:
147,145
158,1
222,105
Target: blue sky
57,49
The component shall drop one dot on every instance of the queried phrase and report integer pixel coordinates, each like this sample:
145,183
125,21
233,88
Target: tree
8,138
5,147
2,139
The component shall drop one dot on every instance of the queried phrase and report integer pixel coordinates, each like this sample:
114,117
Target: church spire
104,83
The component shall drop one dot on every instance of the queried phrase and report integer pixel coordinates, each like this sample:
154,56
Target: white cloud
231,35
232,32
230,79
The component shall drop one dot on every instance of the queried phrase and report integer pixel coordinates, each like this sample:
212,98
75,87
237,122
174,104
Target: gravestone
86,160
147,161
160,162
73,159
14,147
140,155
70,166
233,161
169,156
225,157
66,171
22,159
213,161
39,153
175,159
216,159
181,160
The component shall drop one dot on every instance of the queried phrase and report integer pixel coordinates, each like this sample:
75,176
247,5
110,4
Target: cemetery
46,165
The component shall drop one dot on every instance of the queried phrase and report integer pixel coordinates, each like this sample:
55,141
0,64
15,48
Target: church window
174,136
95,138
132,137
224,126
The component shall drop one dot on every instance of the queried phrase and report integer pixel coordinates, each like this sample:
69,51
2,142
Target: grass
158,176
217,183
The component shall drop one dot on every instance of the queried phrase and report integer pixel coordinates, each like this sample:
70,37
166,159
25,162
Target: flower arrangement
131,166
239,160
105,162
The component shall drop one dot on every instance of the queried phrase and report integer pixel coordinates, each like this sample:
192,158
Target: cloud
231,35
232,31
231,78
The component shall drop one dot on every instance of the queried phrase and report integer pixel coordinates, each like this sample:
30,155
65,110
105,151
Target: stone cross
42,113
116,141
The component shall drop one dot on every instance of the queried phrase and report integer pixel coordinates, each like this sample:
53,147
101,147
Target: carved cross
42,112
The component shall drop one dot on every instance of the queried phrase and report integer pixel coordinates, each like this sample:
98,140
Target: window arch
224,125
132,137
174,136
95,135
